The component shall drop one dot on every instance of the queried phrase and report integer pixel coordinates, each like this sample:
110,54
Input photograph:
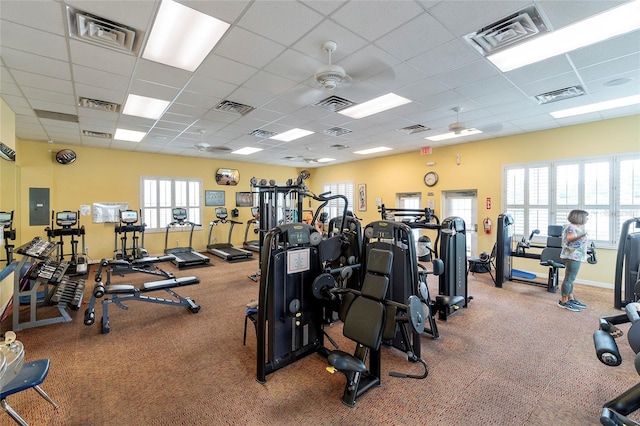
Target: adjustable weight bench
124,292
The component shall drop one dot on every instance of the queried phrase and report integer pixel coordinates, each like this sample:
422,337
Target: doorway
464,204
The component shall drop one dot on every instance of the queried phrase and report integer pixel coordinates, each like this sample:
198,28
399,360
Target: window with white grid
336,207
158,195
538,195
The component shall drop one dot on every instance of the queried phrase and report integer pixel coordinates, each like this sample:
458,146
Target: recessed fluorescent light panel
291,135
182,37
247,150
325,160
128,135
452,135
141,106
373,150
374,106
612,23
600,106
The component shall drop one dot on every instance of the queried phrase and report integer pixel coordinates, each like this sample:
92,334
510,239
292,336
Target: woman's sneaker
576,302
568,306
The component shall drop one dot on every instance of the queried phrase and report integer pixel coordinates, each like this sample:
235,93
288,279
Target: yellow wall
481,169
101,175
108,176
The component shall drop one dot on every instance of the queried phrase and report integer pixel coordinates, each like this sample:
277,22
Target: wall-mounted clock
431,178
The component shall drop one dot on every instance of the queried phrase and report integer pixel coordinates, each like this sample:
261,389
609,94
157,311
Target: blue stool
31,375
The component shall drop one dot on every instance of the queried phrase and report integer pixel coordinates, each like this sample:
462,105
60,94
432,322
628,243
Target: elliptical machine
69,227
128,220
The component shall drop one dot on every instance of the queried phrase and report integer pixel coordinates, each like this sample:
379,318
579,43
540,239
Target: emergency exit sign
426,150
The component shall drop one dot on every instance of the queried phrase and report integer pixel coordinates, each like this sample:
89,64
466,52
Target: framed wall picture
362,197
214,198
244,199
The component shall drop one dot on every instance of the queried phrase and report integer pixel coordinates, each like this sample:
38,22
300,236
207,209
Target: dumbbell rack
49,276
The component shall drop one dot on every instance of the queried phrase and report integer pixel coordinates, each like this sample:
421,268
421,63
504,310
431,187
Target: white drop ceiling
267,59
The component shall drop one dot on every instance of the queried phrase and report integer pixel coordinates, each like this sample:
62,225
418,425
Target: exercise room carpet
511,358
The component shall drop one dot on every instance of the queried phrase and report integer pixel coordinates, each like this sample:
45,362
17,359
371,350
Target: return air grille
52,115
334,103
98,104
234,107
560,95
513,29
101,31
93,134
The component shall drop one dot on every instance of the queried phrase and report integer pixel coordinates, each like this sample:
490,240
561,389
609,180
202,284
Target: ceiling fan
331,76
458,127
205,147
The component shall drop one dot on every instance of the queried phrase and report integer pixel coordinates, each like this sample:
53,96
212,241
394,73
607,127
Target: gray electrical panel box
39,206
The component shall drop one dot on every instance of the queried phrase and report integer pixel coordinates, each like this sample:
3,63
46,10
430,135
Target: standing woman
574,251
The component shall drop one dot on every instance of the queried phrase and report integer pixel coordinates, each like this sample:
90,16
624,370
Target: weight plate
416,316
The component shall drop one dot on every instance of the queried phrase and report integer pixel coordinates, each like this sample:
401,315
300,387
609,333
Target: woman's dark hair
578,217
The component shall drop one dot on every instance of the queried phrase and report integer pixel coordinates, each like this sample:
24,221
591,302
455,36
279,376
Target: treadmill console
128,216
179,214
66,219
6,218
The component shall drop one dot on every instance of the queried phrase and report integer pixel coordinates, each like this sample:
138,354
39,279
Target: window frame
193,198
611,211
334,208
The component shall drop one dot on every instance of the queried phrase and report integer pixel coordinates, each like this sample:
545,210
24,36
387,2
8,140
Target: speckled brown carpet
512,358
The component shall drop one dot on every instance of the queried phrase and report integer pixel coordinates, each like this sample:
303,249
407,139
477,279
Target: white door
463,204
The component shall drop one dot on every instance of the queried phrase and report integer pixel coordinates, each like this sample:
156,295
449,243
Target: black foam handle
606,348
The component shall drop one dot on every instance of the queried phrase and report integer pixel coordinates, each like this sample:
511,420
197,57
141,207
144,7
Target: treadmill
252,245
184,257
226,250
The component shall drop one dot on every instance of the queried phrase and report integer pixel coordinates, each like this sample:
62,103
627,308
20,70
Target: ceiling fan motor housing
330,76
457,127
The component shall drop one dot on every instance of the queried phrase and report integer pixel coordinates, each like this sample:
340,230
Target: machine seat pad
118,262
343,361
119,289
169,283
552,264
449,300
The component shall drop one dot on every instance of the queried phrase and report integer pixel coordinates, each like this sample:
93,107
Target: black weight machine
8,234
277,205
507,249
615,411
290,316
184,257
626,286
69,224
450,245
253,245
119,293
128,225
226,250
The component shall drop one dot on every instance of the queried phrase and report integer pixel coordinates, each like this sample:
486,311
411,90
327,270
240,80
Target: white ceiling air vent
205,147
101,31
334,103
263,134
98,104
234,107
52,115
416,128
560,94
336,131
91,133
339,146
513,29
